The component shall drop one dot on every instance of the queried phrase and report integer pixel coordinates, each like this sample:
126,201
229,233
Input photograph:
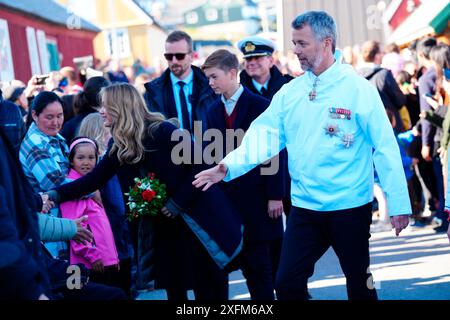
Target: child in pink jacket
101,255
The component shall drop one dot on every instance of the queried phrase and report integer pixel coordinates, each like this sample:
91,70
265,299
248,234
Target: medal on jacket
347,140
339,113
332,130
312,93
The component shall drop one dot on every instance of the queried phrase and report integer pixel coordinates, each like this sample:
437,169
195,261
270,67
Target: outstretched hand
211,176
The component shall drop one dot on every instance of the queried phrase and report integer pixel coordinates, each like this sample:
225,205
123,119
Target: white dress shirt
231,103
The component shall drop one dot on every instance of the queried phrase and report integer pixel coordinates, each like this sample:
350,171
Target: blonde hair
131,121
92,126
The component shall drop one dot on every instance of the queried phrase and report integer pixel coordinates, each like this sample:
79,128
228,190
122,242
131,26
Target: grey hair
321,23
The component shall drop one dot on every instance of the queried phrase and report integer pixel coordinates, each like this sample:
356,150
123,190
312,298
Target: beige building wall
357,20
146,40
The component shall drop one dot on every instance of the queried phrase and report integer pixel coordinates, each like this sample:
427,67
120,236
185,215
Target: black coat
159,96
390,93
276,81
251,192
176,247
427,85
22,268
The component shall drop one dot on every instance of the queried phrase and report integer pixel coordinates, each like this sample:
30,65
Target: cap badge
249,47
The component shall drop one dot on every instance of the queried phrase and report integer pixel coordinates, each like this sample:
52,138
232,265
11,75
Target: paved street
414,266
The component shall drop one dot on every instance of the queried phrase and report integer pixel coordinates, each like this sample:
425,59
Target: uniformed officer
335,129
260,75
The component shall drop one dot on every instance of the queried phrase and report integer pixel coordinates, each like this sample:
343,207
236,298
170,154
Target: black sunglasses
178,56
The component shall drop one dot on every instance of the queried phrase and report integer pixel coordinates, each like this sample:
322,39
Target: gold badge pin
249,47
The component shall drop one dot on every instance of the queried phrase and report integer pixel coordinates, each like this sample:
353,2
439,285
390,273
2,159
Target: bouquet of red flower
146,198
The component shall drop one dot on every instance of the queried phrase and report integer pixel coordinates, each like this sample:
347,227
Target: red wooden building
39,36
410,20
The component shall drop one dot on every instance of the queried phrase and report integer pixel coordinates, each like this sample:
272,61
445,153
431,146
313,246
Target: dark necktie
184,108
264,92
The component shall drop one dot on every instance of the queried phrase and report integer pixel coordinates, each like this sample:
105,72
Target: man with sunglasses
182,91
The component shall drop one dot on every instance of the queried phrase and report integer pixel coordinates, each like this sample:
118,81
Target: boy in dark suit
257,197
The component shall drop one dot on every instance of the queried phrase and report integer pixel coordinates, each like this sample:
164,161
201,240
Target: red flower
148,195
151,175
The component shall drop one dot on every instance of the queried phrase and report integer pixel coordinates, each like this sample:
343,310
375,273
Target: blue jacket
404,139
11,122
251,192
113,202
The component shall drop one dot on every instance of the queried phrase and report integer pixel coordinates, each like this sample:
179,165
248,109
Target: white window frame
43,51
33,51
117,43
6,62
211,14
192,17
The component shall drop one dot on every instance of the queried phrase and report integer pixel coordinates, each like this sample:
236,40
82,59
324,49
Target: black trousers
94,291
211,286
256,265
210,282
115,278
110,277
308,236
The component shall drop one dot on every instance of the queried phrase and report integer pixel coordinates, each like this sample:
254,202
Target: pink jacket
103,246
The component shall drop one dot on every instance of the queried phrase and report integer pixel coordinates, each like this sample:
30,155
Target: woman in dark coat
199,234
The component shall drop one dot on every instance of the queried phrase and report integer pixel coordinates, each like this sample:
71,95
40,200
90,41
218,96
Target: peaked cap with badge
255,46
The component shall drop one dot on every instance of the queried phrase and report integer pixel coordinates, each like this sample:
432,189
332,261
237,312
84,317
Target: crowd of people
347,128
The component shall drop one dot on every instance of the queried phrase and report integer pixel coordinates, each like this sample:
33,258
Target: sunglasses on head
178,56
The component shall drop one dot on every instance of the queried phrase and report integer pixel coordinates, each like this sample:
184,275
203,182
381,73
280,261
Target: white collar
235,97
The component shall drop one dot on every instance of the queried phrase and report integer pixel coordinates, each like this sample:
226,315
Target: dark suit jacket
250,193
277,80
159,96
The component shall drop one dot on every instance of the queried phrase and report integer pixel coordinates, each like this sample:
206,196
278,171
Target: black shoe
441,229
